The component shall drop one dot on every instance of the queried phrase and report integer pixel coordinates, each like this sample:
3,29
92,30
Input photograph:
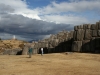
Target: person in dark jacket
30,52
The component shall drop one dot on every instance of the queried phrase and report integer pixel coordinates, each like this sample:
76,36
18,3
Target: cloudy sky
37,19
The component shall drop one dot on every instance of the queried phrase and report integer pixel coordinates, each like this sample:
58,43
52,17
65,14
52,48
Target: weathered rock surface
77,46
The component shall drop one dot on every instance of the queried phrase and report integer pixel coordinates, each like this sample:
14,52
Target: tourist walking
41,51
30,52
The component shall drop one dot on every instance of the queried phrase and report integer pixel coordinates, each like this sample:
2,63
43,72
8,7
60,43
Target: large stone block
98,25
97,45
94,33
81,26
39,44
50,46
56,42
84,26
98,32
86,46
93,27
78,26
88,34
35,51
97,42
25,50
54,36
92,44
77,46
80,35
36,45
74,35
43,44
75,28
88,26
70,35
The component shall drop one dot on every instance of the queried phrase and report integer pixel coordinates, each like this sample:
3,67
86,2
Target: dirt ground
51,64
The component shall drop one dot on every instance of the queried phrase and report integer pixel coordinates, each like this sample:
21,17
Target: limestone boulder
93,27
97,42
98,25
70,35
88,34
74,35
75,28
78,27
88,26
77,46
92,44
84,26
79,34
94,33
86,46
81,26
98,33
25,50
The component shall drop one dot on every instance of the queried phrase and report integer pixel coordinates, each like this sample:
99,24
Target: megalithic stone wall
86,38
60,42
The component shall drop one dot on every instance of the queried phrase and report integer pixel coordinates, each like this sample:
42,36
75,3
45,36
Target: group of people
30,51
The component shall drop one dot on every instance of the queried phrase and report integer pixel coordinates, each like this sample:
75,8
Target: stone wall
60,42
86,38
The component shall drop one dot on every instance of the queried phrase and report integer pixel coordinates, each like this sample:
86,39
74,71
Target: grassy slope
10,44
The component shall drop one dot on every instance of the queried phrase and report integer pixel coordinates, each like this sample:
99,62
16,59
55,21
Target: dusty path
51,64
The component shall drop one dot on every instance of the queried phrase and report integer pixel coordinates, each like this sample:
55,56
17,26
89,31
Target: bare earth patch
51,64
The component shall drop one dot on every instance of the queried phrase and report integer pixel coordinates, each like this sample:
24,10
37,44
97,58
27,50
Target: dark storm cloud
31,28
5,9
27,27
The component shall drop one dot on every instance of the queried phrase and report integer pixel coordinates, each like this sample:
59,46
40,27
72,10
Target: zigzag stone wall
60,42
86,38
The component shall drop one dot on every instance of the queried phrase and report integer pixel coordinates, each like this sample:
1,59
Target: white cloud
29,15
54,11
67,19
21,7
73,6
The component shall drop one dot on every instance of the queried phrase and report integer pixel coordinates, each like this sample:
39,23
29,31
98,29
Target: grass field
51,64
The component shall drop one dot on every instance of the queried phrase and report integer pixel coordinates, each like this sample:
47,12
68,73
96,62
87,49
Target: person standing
41,51
30,52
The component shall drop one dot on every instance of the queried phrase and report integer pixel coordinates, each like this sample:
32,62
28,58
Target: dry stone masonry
60,42
84,38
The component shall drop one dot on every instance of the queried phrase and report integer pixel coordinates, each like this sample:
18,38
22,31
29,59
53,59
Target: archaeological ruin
84,38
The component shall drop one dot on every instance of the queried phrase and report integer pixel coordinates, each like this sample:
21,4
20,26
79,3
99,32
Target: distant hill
32,41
